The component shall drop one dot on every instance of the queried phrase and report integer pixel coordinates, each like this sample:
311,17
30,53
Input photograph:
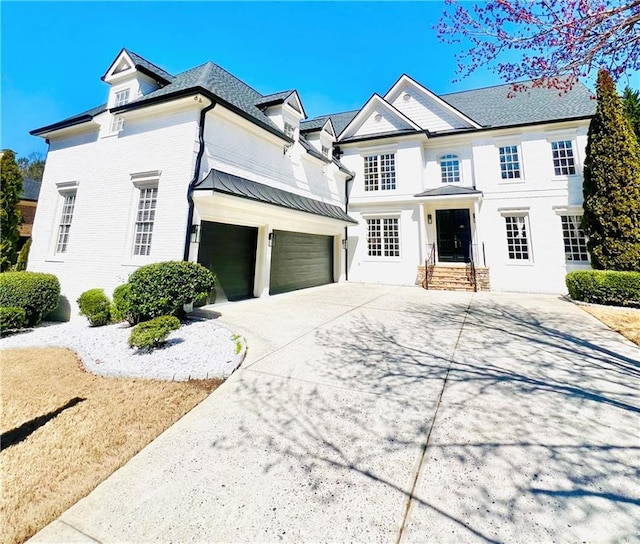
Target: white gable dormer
322,140
127,81
285,110
378,117
426,108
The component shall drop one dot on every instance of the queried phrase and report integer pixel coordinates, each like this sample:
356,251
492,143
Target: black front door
454,235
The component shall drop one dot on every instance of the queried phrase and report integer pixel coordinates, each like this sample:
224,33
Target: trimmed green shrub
23,256
605,287
96,306
152,334
163,288
36,293
122,308
12,319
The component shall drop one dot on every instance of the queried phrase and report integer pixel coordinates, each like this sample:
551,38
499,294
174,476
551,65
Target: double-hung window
563,158
121,98
575,241
450,169
509,162
380,172
145,218
289,129
66,217
383,238
517,237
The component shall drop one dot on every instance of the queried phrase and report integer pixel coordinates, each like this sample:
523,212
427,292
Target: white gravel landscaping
199,349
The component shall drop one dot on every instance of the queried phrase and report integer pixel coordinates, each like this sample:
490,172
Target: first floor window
144,220
380,172
517,242
65,222
383,237
575,242
563,159
449,169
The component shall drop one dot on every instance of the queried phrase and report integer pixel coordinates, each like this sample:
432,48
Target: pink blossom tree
552,42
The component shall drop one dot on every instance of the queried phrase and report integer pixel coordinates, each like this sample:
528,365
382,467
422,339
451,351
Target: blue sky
336,54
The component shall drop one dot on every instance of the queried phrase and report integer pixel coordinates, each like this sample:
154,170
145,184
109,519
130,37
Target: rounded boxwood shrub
12,319
605,287
152,334
96,306
163,288
36,293
122,308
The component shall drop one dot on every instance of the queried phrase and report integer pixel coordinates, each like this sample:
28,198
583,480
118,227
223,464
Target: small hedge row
12,319
152,334
96,306
605,287
36,293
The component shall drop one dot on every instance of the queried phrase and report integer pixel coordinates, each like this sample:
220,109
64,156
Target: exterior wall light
195,234
345,244
429,219
271,239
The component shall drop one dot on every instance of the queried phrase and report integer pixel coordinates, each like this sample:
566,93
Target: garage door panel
300,260
229,251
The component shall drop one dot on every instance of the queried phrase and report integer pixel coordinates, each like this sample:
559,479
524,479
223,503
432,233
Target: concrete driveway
386,414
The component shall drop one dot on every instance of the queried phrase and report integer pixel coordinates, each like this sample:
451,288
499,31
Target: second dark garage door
300,260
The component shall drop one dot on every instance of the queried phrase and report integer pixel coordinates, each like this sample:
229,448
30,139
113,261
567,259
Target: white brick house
201,166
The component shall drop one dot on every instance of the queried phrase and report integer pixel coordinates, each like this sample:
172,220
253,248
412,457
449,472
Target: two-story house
195,166
491,177
201,166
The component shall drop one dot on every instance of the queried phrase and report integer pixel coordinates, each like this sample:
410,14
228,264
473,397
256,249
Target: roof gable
378,117
127,62
425,108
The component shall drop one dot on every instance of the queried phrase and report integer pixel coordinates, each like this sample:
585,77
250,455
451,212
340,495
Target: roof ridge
523,82
331,114
129,52
234,77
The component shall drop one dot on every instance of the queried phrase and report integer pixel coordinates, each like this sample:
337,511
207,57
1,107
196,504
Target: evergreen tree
612,184
631,103
10,216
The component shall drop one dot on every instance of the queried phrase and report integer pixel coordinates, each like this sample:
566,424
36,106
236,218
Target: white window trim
64,188
522,211
139,181
379,189
460,169
561,137
378,150
382,258
518,146
571,211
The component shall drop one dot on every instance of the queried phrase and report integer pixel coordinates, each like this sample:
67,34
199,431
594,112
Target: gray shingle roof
274,98
339,121
221,84
71,121
30,189
223,182
499,106
449,190
149,66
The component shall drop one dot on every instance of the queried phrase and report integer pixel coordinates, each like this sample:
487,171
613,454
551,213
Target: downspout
346,229
194,181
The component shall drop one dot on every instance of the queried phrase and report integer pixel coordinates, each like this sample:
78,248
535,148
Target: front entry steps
454,278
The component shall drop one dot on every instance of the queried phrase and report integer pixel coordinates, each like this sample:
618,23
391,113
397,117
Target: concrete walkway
385,414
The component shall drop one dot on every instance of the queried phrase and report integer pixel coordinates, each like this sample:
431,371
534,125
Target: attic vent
406,97
378,118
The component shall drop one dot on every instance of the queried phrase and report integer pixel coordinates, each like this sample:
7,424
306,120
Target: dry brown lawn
65,430
624,321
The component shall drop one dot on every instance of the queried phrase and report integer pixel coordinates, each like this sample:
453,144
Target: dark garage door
229,251
300,260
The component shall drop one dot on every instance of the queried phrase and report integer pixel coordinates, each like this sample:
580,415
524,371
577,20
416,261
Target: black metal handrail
429,266
471,268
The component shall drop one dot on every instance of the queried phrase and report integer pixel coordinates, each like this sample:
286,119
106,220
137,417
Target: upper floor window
450,169
325,150
383,237
563,159
122,98
575,241
289,129
509,162
380,172
145,218
517,239
66,217
117,123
